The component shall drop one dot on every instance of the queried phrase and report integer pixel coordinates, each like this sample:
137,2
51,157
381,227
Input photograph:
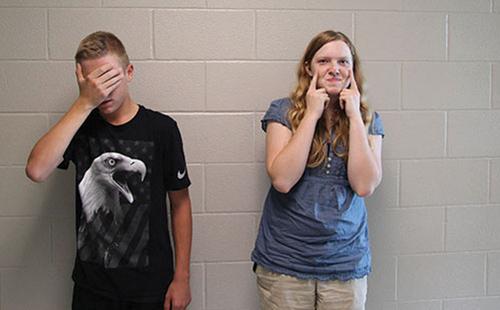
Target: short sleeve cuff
376,127
277,112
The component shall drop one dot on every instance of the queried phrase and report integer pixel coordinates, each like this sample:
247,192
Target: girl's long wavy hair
322,136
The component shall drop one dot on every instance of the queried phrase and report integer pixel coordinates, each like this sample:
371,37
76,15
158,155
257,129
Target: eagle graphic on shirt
105,181
108,210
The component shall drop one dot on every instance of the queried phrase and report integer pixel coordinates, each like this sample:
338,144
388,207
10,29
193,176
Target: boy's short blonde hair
99,44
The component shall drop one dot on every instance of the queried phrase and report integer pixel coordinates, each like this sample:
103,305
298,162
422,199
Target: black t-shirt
122,176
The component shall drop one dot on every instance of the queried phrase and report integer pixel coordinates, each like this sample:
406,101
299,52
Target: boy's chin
105,109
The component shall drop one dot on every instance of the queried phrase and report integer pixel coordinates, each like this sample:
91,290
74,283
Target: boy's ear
129,72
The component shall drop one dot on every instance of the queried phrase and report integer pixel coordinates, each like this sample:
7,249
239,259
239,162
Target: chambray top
318,230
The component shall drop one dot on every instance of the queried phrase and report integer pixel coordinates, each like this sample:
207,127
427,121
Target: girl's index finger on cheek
347,80
313,82
353,80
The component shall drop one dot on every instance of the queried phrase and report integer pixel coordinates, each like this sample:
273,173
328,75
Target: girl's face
332,62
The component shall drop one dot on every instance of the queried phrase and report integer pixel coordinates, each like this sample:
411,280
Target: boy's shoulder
158,118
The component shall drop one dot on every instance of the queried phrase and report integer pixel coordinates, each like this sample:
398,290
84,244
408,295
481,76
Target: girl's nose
334,69
333,65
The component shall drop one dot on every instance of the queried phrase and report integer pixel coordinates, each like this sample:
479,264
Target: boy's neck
124,114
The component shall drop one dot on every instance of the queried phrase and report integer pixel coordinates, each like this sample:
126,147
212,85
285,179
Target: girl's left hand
349,98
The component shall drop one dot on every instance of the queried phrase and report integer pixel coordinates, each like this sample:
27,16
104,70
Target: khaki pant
279,292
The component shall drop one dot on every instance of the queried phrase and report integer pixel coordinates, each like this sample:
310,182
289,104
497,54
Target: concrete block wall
432,70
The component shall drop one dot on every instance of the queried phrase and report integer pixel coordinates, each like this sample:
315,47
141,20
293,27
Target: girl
323,155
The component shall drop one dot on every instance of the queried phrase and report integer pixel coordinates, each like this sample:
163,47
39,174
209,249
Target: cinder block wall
433,71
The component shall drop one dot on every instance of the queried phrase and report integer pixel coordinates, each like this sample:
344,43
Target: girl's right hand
316,99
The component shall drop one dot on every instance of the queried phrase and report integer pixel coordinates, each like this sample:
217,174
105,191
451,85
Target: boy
127,159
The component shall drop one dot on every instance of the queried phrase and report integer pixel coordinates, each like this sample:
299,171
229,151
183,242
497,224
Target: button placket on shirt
329,164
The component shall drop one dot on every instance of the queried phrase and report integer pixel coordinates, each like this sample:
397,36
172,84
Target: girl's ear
308,69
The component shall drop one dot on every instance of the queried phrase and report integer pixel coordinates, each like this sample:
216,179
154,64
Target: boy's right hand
96,87
316,98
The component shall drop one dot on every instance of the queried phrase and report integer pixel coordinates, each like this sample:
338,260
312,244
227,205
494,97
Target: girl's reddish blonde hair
340,143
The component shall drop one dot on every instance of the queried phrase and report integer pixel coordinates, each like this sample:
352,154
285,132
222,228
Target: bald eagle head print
105,181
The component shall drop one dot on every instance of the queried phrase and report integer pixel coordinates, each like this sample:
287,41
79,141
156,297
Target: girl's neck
332,109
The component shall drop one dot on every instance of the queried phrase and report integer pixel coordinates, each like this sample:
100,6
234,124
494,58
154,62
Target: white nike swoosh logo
181,175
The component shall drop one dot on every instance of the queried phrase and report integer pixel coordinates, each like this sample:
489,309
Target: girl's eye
322,61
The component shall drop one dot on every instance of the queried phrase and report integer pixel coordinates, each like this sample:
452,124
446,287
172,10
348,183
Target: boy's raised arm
49,150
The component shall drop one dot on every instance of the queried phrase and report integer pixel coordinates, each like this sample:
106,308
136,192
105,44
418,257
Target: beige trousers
279,292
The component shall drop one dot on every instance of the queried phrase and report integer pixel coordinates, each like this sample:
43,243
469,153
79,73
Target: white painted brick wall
401,36
432,70
496,90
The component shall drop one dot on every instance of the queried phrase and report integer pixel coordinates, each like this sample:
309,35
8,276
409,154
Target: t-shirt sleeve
176,175
277,112
67,156
376,127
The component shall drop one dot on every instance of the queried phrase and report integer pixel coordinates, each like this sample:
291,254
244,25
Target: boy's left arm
179,293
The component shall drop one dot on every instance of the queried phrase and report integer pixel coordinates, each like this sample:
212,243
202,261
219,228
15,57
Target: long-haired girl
323,155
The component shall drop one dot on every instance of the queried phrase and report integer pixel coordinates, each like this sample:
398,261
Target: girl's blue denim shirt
318,230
